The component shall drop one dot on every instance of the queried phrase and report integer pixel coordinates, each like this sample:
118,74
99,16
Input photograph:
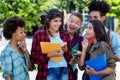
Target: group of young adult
16,60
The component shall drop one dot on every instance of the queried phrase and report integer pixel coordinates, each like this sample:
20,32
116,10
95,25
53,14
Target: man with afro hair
98,10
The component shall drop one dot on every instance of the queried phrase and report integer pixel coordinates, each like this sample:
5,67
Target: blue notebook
97,64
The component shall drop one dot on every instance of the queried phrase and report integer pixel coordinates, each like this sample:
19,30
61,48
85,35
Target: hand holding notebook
97,64
50,47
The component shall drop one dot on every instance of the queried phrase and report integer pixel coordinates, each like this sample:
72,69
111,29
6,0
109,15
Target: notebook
48,47
73,53
97,64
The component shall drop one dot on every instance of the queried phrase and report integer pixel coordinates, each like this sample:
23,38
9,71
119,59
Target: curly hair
101,6
10,26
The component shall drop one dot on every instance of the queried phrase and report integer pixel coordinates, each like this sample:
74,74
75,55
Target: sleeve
6,61
67,54
80,43
115,40
36,55
109,56
86,58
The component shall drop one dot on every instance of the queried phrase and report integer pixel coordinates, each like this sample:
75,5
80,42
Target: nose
59,23
24,34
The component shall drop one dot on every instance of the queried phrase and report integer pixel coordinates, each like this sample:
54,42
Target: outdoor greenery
31,10
115,12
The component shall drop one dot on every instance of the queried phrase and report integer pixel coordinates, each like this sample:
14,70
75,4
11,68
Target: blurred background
34,12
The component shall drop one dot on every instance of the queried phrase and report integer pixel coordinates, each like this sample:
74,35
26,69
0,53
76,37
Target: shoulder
64,33
6,51
39,32
105,47
64,36
113,33
103,44
114,37
80,37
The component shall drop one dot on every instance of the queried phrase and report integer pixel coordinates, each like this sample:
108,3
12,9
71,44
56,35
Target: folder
56,59
48,47
97,64
76,47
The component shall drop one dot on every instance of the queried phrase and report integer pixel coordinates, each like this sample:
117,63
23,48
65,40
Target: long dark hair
53,13
100,32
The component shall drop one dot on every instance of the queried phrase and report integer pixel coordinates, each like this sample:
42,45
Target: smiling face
55,24
19,34
73,24
90,31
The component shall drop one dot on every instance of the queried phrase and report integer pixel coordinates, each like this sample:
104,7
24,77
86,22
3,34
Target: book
76,47
97,64
48,47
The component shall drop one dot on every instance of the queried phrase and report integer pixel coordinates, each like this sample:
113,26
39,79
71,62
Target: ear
103,18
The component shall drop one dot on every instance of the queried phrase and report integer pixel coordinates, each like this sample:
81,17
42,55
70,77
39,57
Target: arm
6,61
67,49
110,62
29,62
24,48
83,54
36,55
115,42
106,71
8,78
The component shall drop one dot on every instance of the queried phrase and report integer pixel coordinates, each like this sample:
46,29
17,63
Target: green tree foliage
27,9
72,5
115,9
31,10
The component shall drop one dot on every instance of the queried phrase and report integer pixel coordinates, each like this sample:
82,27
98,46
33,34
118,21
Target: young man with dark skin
98,10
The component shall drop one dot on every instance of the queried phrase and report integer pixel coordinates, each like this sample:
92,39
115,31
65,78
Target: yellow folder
48,47
56,59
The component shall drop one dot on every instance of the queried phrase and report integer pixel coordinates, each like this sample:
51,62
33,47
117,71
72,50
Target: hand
85,44
56,53
73,61
78,53
90,71
64,47
23,45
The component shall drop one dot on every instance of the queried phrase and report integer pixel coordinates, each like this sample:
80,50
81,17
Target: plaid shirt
76,40
38,58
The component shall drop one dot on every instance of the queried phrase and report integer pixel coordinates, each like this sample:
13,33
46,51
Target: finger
90,68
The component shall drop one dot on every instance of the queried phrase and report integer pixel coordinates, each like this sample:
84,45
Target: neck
13,43
71,35
52,33
94,41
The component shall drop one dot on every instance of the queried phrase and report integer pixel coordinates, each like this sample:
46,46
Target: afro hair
101,6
